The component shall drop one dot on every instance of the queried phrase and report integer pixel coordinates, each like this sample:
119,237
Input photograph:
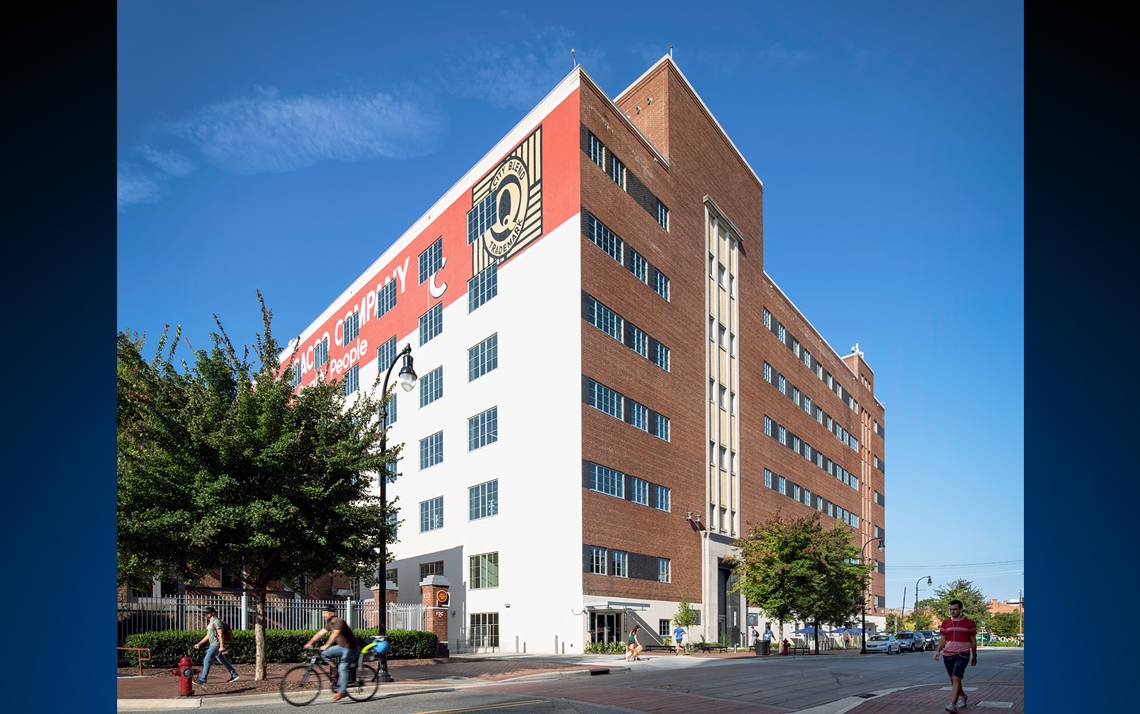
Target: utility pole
901,616
1020,616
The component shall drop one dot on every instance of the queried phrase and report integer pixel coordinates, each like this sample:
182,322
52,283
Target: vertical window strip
483,357
431,323
483,429
431,260
482,287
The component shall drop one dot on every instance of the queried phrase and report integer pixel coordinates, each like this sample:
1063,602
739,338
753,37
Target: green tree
220,464
974,604
894,624
1003,624
686,615
795,569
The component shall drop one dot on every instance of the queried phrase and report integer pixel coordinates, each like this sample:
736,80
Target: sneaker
952,708
234,678
965,700
338,696
199,682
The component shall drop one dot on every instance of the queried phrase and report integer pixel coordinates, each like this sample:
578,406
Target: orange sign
442,598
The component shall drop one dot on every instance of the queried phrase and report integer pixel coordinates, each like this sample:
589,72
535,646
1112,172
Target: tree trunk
259,636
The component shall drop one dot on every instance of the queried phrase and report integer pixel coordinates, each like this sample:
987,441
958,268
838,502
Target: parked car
932,638
883,643
909,641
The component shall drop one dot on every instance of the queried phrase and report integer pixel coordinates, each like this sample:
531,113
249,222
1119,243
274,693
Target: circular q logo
442,598
511,188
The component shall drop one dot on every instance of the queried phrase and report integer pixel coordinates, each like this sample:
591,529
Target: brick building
611,388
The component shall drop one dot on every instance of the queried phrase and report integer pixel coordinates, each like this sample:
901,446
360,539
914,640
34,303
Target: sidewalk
158,689
1008,697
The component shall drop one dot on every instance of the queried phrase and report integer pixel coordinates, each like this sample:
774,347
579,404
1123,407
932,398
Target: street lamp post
928,582
863,555
407,378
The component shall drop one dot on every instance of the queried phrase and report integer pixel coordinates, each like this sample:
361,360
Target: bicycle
302,684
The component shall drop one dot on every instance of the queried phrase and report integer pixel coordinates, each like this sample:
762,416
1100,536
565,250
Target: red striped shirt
958,635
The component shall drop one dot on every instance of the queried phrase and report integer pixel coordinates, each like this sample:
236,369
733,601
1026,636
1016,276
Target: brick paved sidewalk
932,698
160,684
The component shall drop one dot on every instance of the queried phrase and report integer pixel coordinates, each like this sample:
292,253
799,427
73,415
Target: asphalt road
684,684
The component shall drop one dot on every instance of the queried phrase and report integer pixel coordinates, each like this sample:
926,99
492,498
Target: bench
657,648
712,646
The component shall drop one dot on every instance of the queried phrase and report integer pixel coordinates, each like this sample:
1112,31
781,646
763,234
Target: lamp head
407,376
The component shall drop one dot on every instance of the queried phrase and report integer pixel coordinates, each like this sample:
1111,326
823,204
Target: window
661,357
393,523
389,411
767,319
484,571
878,498
598,560
483,429
431,386
782,485
386,353
321,352
482,287
431,260
431,514
767,426
604,319
661,426
661,284
351,327
781,333
484,630
880,601
639,490
619,563
767,373
480,218
351,379
660,497
638,415
483,357
781,383
782,435
639,341
435,567
796,395
617,171
663,570
295,374
431,450
605,480
605,399
431,323
639,266
597,151
604,238
662,215
663,628
390,468
483,500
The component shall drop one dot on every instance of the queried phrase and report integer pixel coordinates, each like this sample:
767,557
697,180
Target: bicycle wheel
301,685
366,684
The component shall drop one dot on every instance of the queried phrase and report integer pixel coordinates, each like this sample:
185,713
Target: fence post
348,613
244,610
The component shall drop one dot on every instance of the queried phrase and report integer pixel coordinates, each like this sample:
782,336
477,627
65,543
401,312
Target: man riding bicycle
341,643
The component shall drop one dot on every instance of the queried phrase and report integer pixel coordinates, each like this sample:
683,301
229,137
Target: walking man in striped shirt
958,645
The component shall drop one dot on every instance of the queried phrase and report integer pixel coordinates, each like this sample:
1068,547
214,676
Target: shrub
605,648
168,646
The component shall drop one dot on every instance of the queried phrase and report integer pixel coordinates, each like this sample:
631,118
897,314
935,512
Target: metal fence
147,614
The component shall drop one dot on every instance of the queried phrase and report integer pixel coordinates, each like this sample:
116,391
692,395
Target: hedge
168,646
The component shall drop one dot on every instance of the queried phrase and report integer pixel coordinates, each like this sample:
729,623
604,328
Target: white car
883,643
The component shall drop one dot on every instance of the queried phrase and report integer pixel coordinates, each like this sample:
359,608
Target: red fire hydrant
185,674
784,648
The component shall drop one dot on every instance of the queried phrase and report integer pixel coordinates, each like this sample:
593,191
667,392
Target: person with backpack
218,634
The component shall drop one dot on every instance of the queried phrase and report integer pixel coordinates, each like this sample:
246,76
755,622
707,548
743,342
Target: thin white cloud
271,133
520,74
134,186
168,162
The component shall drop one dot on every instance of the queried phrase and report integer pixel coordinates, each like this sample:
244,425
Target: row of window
431,260
624,331
809,361
601,156
482,429
803,401
626,256
431,323
483,502
878,428
480,218
352,327
351,379
878,498
619,406
801,494
623,564
879,463
482,287
621,485
793,442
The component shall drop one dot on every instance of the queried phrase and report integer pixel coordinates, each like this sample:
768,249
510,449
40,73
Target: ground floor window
605,627
663,628
484,630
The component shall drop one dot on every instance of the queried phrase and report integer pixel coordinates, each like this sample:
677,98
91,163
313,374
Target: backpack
225,634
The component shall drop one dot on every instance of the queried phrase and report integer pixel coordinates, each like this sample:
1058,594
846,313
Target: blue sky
268,145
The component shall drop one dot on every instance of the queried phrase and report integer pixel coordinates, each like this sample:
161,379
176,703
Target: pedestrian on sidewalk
218,635
768,633
678,633
633,647
958,646
340,643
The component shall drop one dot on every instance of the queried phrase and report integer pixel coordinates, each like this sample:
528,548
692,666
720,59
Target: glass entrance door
605,627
